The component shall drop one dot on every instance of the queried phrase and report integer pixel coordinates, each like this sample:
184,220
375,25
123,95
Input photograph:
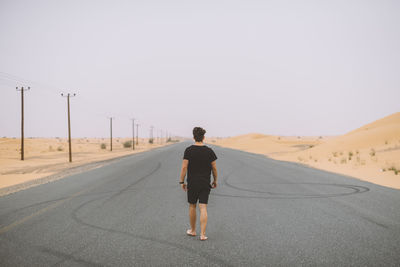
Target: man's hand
184,187
214,184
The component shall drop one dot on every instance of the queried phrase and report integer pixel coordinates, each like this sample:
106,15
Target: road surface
264,213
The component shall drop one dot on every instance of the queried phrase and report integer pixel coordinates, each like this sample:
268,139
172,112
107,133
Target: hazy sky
233,67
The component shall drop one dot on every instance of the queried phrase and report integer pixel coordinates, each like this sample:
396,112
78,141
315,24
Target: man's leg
192,217
203,219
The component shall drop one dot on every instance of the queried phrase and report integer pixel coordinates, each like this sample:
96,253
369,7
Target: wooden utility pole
22,89
69,124
151,140
137,134
111,133
133,134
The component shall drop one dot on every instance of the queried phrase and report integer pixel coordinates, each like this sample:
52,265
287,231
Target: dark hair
198,134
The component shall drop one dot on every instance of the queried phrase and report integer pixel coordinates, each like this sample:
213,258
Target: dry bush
127,144
372,152
393,168
350,155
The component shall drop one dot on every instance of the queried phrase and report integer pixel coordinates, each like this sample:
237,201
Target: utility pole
22,89
151,134
111,133
133,134
69,124
137,134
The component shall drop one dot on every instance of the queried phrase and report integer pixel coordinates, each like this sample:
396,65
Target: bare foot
190,232
203,238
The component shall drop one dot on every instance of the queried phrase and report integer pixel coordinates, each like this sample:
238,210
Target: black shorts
200,194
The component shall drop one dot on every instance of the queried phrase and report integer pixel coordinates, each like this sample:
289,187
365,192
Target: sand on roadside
370,153
48,156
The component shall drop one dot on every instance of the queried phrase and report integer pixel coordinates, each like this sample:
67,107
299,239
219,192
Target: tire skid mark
125,189
57,203
81,195
356,189
80,221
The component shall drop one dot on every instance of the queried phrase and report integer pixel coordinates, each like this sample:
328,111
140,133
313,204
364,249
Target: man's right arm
214,172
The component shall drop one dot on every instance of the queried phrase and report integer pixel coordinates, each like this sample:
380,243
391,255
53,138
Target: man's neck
198,144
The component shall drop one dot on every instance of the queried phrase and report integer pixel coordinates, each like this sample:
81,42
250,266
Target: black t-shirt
199,167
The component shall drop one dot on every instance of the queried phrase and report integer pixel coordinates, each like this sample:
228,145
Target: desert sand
48,156
370,153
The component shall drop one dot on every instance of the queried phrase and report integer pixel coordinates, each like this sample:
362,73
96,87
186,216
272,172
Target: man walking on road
198,162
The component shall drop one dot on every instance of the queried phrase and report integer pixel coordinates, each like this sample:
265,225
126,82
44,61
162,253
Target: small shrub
396,171
103,146
60,148
334,154
372,152
50,148
350,155
343,161
151,141
310,146
315,160
300,158
127,144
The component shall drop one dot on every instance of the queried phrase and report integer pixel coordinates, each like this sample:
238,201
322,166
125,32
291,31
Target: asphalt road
264,213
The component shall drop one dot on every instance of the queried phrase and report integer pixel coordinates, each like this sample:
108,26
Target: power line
22,89
69,124
43,88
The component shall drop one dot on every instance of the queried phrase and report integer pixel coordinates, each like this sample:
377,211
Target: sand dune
370,153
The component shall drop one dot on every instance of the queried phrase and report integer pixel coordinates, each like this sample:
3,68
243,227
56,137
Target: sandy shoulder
46,159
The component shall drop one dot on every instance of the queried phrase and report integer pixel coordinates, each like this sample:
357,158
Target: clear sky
232,67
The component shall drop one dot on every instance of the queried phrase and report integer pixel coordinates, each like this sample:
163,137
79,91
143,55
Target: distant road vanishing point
264,213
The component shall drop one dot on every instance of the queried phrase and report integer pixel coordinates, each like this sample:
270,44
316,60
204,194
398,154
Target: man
198,161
